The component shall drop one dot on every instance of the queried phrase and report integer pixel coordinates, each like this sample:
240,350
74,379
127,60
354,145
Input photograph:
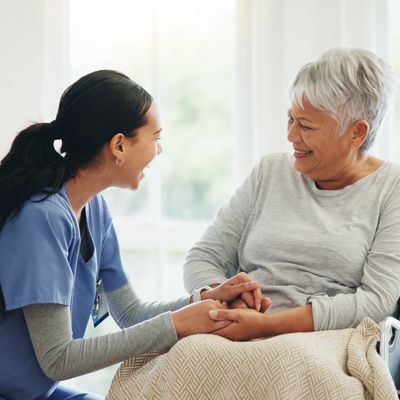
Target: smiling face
320,152
137,152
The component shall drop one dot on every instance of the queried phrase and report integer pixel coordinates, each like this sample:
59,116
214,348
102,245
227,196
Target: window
199,60
182,53
394,31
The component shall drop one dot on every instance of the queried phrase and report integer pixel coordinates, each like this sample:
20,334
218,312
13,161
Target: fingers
265,304
248,299
222,331
220,325
223,315
247,282
238,303
241,277
221,304
240,288
239,285
257,297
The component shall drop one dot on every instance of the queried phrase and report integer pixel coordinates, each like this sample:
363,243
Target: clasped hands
233,309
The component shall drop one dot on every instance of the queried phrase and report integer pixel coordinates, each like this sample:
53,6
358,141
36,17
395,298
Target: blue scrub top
41,263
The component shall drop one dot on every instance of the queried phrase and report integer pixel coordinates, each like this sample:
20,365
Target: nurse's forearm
127,309
62,357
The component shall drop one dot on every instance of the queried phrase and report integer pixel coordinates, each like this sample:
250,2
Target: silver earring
120,161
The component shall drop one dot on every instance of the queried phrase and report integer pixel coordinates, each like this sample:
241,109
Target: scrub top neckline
64,193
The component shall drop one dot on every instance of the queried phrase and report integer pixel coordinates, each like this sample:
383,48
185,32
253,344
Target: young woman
60,259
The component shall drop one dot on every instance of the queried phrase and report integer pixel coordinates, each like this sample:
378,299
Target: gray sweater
147,327
336,249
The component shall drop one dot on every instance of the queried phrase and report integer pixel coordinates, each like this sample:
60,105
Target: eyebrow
289,113
157,132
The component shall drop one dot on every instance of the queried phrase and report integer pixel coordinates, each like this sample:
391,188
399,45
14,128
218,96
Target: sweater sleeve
62,357
379,290
215,257
127,309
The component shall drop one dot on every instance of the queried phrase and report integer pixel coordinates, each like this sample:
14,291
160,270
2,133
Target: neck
84,186
358,169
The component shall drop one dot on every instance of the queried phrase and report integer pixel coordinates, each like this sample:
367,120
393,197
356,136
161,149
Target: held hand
194,318
246,301
245,324
234,287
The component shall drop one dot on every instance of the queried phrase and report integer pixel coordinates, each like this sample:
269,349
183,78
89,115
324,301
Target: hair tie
56,137
58,144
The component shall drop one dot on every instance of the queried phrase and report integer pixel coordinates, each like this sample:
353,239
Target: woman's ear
117,145
359,133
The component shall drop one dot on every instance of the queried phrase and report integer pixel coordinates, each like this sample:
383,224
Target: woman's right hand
246,301
232,289
194,318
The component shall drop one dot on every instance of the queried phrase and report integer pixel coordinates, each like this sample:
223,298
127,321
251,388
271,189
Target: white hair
349,84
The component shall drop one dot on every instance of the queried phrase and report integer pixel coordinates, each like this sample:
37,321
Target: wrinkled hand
194,318
234,287
245,323
246,300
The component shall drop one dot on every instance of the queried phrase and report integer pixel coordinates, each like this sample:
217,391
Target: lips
301,153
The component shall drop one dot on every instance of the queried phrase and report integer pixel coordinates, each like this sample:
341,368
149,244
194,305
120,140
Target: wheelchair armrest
389,347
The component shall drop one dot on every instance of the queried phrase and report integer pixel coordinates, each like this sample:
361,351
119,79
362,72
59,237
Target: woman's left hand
245,323
232,288
249,324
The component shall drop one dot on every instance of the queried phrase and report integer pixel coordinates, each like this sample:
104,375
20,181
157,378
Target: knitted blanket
340,364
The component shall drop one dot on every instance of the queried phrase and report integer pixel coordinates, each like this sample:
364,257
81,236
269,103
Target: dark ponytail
91,112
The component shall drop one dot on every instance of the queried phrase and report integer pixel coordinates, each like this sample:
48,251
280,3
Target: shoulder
387,180
41,213
55,208
276,160
384,180
273,165
391,169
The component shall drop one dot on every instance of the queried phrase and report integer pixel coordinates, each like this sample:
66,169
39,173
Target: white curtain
274,39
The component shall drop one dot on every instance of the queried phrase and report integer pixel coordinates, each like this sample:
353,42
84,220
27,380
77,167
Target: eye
158,138
290,120
305,128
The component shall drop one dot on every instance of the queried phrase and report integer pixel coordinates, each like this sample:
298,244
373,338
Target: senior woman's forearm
250,324
298,319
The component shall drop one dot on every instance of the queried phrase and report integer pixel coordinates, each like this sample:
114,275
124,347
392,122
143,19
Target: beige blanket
319,365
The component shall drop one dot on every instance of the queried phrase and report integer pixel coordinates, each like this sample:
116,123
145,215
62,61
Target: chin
131,185
300,166
134,186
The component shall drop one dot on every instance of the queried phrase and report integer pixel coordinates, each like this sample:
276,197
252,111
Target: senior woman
319,228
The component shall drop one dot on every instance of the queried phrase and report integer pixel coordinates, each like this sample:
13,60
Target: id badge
100,308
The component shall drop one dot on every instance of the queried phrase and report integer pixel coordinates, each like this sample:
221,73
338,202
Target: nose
293,134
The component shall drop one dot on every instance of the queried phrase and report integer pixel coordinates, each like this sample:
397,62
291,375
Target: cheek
154,150
150,154
146,153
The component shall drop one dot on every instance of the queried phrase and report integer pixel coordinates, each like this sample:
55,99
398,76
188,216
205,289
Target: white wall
33,65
